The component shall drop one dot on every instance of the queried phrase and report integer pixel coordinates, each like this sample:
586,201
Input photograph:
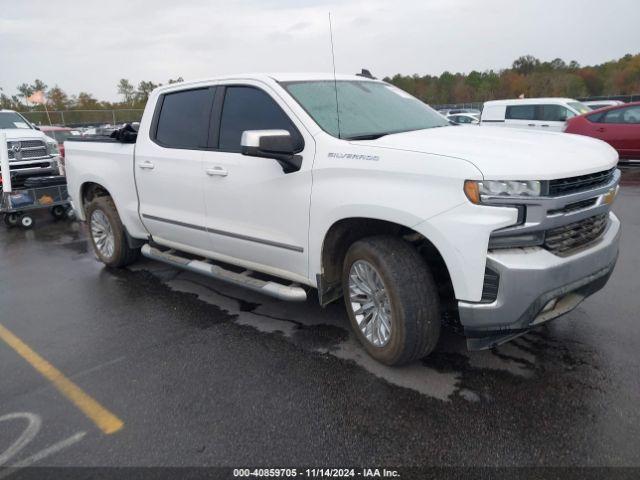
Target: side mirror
276,144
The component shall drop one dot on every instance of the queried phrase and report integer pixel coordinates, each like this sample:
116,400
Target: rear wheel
391,300
11,219
107,234
58,212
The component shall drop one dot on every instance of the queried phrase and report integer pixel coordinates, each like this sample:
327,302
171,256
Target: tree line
133,97
528,76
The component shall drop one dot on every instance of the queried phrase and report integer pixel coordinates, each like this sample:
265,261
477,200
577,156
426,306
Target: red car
619,126
59,134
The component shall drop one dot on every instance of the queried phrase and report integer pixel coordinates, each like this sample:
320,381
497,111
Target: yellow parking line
103,418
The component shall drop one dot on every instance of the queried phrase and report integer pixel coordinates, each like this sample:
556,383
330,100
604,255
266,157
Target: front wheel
391,300
107,234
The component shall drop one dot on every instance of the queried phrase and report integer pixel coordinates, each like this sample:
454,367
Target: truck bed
109,163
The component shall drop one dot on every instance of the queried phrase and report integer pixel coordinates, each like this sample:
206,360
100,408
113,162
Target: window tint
613,116
184,119
554,113
521,112
248,108
631,115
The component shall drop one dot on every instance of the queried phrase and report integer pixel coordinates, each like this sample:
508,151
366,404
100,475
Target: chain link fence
84,118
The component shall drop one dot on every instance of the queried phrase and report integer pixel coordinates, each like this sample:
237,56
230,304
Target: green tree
57,98
127,90
144,90
526,64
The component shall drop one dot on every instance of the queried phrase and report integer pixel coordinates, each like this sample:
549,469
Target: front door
169,169
256,214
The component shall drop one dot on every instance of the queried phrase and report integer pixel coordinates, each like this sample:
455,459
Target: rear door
257,214
521,116
621,129
169,171
552,117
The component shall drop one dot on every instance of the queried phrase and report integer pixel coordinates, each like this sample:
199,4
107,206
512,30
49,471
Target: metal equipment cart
16,205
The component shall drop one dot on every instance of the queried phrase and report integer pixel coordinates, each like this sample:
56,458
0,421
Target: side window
521,112
248,108
184,119
554,113
631,115
613,116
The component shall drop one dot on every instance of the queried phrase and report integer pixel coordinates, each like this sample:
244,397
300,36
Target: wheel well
344,233
91,190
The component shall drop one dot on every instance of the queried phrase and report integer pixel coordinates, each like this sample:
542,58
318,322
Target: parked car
383,204
597,104
532,113
59,134
464,119
619,126
31,152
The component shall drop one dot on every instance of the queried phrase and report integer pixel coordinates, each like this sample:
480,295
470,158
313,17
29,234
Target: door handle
146,165
601,129
531,125
544,125
216,172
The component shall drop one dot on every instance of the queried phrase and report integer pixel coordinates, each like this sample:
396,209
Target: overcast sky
88,45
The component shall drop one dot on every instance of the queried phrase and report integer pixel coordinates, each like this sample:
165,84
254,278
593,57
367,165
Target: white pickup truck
350,186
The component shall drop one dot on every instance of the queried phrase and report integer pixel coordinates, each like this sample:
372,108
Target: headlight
52,148
476,189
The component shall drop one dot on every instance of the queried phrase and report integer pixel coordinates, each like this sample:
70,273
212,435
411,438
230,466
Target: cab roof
529,101
270,77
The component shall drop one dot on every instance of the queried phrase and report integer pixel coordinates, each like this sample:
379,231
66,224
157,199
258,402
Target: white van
533,113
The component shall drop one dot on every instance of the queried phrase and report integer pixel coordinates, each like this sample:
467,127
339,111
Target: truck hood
502,153
23,133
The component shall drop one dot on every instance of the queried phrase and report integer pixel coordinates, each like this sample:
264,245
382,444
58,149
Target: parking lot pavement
200,373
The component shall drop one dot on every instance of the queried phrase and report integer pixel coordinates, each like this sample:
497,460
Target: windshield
579,107
13,120
367,109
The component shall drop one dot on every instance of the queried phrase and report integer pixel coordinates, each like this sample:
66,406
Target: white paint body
416,181
495,113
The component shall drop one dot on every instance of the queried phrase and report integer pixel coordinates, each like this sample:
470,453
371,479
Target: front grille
490,286
565,186
574,207
564,240
26,149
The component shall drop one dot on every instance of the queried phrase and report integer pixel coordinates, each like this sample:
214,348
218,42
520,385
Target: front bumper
537,286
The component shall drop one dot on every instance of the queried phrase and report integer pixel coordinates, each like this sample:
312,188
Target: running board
292,293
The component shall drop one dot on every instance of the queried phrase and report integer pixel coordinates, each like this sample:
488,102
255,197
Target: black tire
11,219
412,294
26,222
122,255
58,212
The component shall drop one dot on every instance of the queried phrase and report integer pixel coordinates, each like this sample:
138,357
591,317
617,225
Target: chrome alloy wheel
370,303
102,233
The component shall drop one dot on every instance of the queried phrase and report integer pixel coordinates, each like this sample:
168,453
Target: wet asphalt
206,374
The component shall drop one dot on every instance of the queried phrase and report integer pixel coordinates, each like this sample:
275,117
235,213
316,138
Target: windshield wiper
369,136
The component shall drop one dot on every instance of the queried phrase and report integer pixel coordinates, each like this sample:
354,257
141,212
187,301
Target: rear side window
248,108
554,113
184,119
628,115
521,112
